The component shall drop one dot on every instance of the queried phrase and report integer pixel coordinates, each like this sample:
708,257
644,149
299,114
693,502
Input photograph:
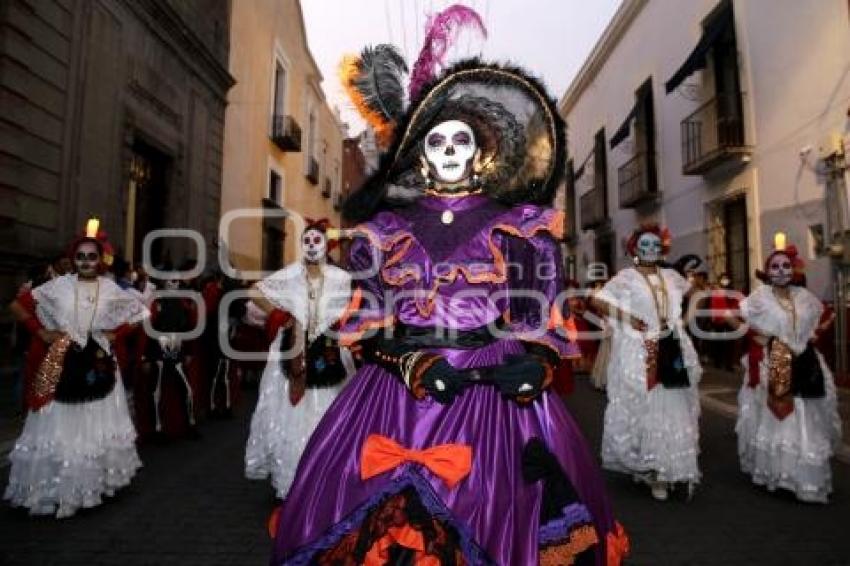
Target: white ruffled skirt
279,431
650,431
70,455
792,453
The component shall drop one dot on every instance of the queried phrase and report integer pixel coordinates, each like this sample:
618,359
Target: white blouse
80,308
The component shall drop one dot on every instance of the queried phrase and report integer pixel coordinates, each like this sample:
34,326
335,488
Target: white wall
799,56
794,59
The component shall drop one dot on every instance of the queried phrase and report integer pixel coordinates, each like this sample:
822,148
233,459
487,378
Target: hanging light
779,241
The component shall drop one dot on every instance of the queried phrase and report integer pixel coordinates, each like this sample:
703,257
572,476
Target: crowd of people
411,414
170,386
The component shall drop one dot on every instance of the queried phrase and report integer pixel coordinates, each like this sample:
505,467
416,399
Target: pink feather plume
441,31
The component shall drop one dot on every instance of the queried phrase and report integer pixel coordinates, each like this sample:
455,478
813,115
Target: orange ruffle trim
351,337
617,543
565,554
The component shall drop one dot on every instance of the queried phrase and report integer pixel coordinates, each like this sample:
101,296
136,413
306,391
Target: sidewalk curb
731,411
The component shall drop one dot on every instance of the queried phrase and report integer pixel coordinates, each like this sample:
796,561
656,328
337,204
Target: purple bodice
490,261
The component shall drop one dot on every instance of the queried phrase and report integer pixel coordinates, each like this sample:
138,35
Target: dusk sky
551,38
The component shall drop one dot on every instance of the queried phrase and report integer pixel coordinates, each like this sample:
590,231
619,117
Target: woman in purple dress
447,447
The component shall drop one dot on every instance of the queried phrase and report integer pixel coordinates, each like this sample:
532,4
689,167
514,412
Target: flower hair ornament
324,226
93,233
797,265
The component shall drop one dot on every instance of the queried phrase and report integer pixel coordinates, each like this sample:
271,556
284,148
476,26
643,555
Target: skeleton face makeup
649,248
172,284
314,244
449,149
780,270
86,260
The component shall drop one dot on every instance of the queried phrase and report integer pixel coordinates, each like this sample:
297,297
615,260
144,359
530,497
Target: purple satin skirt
493,505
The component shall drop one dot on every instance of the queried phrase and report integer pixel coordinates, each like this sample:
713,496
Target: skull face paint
172,285
449,149
780,270
649,248
314,245
87,260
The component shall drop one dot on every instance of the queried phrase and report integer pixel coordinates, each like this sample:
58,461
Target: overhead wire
404,28
470,4
417,35
390,38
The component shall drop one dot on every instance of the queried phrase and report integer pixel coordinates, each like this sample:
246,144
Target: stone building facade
111,108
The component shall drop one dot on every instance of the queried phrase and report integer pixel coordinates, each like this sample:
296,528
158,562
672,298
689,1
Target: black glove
430,375
440,380
521,377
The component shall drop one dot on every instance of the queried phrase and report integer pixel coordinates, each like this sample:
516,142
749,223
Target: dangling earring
425,171
636,260
475,181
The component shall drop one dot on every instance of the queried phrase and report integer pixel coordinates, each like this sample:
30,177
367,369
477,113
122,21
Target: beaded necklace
77,304
314,294
787,305
662,305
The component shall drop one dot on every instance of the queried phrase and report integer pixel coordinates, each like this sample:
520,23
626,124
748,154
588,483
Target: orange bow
405,536
450,462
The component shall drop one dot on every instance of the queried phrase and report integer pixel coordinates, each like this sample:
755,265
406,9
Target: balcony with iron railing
592,209
312,171
635,182
286,133
714,134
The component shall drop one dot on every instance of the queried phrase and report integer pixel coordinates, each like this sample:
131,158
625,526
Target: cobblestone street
729,521
191,505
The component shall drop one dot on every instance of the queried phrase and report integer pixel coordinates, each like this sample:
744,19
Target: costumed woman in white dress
788,423
313,296
78,442
599,371
652,418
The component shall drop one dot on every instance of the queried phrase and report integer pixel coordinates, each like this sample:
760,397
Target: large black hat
516,125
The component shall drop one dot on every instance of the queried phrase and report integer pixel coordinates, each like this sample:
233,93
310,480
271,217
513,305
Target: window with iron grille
637,178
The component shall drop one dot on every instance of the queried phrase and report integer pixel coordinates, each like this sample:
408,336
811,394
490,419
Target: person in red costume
78,442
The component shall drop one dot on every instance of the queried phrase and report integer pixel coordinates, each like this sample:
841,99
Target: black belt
442,337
